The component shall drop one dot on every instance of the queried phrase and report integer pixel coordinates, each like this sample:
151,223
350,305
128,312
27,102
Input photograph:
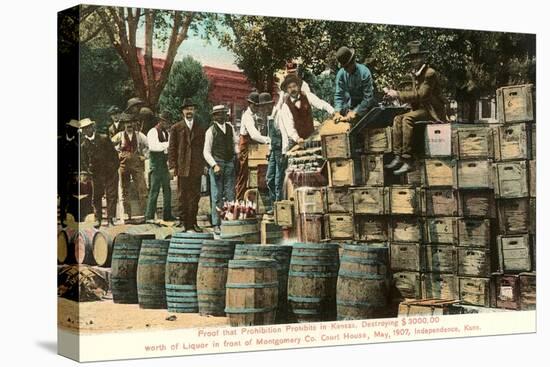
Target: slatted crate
513,142
339,200
514,253
511,179
475,291
406,257
340,226
371,228
528,291
442,230
477,203
258,151
440,173
514,216
506,291
474,262
474,232
515,103
257,177
405,200
313,228
378,140
474,141
441,286
440,202
441,259
336,146
407,229
437,140
346,172
406,284
474,174
373,170
311,200
284,213
371,200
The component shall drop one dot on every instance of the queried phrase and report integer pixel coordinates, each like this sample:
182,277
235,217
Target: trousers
403,127
222,186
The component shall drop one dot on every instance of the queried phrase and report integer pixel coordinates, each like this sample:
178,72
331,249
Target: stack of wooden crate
257,172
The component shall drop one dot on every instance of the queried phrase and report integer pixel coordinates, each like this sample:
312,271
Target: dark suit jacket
185,149
426,94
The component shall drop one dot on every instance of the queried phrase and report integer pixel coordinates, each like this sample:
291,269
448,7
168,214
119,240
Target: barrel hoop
181,286
184,250
316,246
305,312
205,264
359,260
313,262
217,243
185,242
175,259
178,295
366,248
190,235
361,275
249,310
210,255
305,299
315,274
252,264
252,285
358,304
152,261
220,292
125,257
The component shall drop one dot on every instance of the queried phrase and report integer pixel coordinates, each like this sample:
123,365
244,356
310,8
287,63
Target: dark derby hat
415,49
345,55
291,78
113,110
164,116
187,102
265,98
253,97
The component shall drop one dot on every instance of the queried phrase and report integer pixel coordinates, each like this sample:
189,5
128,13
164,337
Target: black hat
187,102
113,110
265,98
254,97
291,78
345,55
164,116
134,101
127,117
414,49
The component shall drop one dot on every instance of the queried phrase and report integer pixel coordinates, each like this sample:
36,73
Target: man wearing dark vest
427,102
159,177
219,152
98,158
133,150
296,112
186,162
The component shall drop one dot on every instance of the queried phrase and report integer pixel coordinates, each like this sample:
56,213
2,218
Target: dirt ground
106,316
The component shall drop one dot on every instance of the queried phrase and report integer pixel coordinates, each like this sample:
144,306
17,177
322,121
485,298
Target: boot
196,228
406,167
217,229
394,163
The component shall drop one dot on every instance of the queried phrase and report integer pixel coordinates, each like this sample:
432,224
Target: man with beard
133,150
427,102
99,159
186,162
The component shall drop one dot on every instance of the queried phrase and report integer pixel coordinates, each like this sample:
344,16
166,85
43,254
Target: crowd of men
189,149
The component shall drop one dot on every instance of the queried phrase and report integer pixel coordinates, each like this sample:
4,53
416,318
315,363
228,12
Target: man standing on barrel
219,153
186,162
250,133
427,102
354,94
159,176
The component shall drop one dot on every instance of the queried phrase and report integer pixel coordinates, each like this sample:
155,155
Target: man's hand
393,94
300,142
351,115
172,172
337,117
217,169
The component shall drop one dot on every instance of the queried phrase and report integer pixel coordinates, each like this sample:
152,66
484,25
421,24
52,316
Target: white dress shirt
283,94
189,123
155,145
208,138
248,127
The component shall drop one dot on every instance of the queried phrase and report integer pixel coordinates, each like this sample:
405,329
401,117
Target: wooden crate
406,284
511,179
370,200
441,259
437,140
474,232
506,291
474,262
415,177
474,174
257,177
474,142
373,170
258,151
440,202
339,200
477,203
313,228
475,291
311,200
514,253
378,140
345,172
405,200
513,142
442,286
284,213
370,228
528,291
440,173
515,103
514,216
442,230
340,226
336,146
533,178
406,257
407,229
429,307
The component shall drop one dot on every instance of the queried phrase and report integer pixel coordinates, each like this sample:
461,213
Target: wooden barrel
212,276
102,248
363,282
65,247
279,253
83,246
124,262
193,235
245,229
151,274
312,282
252,292
181,274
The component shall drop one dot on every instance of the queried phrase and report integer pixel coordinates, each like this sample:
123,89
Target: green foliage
186,80
104,81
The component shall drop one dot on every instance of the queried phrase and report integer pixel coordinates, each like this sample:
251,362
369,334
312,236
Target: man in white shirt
159,177
219,152
296,114
133,150
253,131
291,69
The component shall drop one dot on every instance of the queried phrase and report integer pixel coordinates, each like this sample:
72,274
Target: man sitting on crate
427,102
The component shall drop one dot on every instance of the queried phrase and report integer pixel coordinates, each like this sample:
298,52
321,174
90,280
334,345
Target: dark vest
162,134
223,147
127,145
303,116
